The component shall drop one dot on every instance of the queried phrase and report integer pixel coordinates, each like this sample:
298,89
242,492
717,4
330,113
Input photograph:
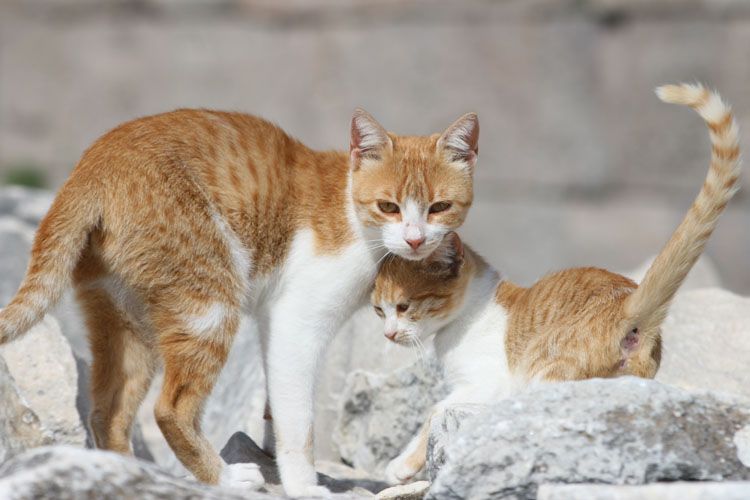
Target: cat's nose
391,336
414,244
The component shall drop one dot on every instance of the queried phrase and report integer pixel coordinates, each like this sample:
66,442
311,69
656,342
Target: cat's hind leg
123,364
194,340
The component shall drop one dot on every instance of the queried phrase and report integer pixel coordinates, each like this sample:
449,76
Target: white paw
399,471
313,491
241,477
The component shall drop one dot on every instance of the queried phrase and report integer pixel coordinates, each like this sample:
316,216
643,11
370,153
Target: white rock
19,425
381,413
618,431
730,490
411,491
68,473
707,342
42,364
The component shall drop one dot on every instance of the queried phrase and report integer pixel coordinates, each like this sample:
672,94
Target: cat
172,225
494,338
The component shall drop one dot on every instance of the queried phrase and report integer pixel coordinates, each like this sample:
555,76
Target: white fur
298,309
471,350
240,255
370,134
245,477
209,322
413,225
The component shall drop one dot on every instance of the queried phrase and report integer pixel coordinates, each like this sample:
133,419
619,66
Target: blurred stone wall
579,162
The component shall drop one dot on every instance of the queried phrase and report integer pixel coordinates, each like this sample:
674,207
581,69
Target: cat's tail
650,301
60,239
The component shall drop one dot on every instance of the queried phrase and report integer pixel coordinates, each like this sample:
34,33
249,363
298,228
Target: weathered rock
341,479
411,491
42,365
707,342
68,473
621,431
15,244
442,432
729,490
381,413
20,428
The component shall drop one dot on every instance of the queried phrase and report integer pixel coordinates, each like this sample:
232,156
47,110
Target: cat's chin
415,255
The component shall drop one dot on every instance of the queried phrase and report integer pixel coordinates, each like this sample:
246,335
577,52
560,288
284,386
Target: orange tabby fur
570,325
153,227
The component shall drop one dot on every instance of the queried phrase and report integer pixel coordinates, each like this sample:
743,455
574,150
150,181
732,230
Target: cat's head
414,190
417,298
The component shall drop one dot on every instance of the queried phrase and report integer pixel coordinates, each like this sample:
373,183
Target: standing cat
170,225
494,337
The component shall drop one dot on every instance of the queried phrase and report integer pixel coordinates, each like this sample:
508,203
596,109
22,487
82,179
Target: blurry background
579,162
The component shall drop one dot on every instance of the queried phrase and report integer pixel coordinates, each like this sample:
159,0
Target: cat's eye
440,206
379,311
388,207
402,308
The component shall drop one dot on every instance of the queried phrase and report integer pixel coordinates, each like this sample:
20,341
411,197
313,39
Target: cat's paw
400,471
245,477
310,491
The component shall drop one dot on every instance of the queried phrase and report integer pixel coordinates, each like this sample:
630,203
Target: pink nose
390,335
414,244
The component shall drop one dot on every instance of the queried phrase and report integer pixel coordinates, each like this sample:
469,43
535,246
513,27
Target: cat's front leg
295,344
404,467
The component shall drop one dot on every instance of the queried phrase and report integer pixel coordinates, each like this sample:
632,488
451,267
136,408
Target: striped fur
570,325
171,226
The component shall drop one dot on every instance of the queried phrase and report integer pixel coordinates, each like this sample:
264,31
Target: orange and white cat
493,337
171,225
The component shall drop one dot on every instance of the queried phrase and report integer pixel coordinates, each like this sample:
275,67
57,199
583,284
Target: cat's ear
368,138
461,140
447,259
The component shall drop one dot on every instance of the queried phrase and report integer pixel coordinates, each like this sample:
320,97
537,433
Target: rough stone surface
707,342
20,428
380,414
729,490
341,479
622,431
411,491
67,473
42,364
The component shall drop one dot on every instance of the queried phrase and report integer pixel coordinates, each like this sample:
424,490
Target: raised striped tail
59,241
649,303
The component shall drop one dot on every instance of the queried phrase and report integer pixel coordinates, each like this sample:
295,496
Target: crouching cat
494,337
171,225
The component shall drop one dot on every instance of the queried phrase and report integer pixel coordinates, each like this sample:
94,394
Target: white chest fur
472,347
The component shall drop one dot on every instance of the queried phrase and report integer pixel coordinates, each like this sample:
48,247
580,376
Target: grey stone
707,342
381,413
241,449
411,491
20,428
729,490
68,473
42,364
15,244
619,431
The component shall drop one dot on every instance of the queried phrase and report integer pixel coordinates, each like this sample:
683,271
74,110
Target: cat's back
568,300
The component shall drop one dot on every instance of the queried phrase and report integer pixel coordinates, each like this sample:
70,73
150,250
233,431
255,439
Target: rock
20,428
42,365
241,449
707,342
28,205
411,491
359,345
381,413
442,431
730,490
619,431
68,473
